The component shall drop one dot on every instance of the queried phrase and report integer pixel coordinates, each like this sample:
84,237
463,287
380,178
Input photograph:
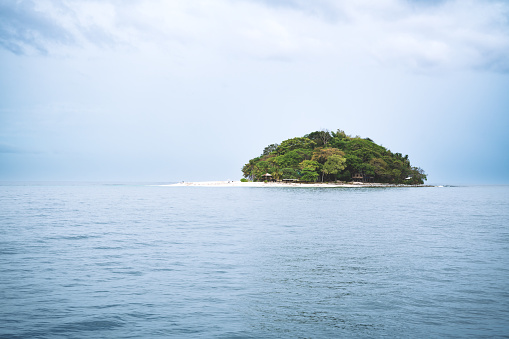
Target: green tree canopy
295,143
310,169
334,165
269,149
333,155
322,154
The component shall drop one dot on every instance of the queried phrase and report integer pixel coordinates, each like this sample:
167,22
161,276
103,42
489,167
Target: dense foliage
331,156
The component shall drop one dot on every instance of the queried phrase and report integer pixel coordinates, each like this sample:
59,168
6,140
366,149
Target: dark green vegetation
331,156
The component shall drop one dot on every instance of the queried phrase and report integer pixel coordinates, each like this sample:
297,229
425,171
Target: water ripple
136,261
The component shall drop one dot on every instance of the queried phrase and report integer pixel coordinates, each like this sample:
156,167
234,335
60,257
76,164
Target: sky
165,91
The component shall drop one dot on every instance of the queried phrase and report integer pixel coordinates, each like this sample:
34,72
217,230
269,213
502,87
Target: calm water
121,261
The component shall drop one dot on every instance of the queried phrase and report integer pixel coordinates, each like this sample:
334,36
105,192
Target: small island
331,157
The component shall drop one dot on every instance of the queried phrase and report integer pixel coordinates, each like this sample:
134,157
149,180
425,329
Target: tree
277,173
380,167
295,143
321,138
324,136
308,175
262,167
310,170
290,173
249,169
321,155
334,165
340,134
310,164
292,158
269,149
418,176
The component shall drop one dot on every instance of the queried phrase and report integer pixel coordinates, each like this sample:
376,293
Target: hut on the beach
361,177
267,177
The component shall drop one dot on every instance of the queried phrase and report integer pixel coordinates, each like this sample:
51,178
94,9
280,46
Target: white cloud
447,35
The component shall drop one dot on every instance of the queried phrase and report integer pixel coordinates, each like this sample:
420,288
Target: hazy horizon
157,91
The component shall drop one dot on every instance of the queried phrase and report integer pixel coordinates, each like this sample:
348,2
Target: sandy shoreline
280,184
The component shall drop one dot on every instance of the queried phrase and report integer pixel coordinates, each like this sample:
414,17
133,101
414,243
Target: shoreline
231,183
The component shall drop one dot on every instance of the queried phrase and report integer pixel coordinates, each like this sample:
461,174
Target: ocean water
141,261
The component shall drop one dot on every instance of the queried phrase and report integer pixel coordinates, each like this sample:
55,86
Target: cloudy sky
140,90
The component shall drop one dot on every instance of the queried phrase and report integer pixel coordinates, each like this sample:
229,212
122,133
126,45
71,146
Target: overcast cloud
174,90
413,34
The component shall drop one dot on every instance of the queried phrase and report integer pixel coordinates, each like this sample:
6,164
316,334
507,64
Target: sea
123,260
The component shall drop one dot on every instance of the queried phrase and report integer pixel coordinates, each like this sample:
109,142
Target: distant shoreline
283,184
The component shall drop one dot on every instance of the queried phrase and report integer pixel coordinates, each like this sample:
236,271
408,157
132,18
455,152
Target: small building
361,177
358,177
267,177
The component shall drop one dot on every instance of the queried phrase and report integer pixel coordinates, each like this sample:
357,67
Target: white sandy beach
279,184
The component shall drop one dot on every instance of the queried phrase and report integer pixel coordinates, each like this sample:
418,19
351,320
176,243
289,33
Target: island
331,157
